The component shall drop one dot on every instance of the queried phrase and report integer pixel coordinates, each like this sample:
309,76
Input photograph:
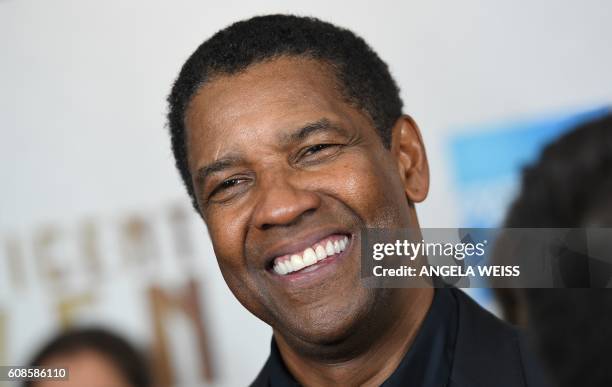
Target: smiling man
289,135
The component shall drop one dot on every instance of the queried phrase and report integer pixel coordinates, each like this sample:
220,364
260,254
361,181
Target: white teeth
296,262
329,248
285,266
343,243
320,251
280,269
309,257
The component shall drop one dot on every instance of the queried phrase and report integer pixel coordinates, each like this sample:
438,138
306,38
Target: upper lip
298,243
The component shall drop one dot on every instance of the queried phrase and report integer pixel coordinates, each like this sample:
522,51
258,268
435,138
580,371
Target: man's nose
282,201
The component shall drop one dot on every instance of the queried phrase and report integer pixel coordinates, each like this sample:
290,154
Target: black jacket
487,352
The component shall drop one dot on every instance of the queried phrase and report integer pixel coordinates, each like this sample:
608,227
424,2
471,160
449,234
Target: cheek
226,234
371,188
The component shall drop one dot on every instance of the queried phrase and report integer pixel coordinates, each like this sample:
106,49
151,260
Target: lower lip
316,270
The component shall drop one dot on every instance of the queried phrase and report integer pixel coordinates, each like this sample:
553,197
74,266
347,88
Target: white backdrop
82,103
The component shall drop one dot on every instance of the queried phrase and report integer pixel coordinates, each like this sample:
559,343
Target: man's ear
409,153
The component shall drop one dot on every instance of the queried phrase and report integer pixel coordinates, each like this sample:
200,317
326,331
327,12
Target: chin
331,325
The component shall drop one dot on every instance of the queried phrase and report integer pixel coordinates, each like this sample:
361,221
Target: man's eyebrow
216,166
322,125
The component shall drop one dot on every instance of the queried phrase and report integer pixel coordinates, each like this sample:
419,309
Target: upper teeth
310,256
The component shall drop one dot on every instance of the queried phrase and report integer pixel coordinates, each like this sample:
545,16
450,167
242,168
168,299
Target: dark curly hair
364,79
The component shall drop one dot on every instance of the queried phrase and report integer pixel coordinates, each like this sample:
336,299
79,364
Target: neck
375,362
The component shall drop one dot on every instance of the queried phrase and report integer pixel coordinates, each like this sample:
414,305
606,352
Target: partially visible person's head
571,183
570,186
289,135
94,357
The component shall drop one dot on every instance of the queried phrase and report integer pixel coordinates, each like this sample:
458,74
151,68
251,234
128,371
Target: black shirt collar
427,363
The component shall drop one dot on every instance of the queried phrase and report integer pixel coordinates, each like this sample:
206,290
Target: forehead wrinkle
217,151
263,80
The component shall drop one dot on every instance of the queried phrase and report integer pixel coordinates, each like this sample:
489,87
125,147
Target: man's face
282,163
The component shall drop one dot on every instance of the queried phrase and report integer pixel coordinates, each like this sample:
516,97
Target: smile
319,251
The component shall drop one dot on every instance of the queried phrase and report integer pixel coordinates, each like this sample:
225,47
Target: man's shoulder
490,352
262,379
273,369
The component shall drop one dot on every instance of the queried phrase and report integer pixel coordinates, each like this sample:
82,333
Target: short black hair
364,79
128,360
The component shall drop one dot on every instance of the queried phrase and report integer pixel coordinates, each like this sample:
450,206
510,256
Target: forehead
278,94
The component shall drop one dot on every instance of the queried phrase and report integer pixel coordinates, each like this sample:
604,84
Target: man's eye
318,148
227,185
